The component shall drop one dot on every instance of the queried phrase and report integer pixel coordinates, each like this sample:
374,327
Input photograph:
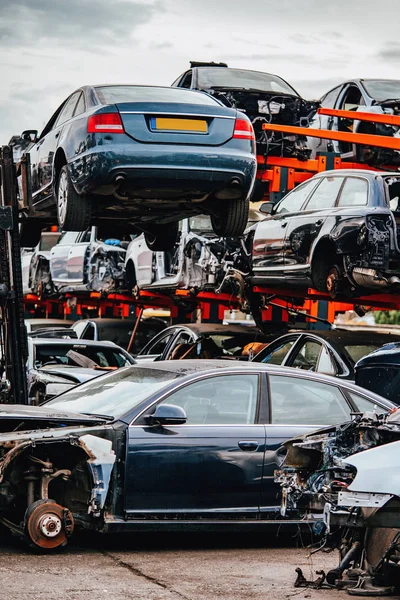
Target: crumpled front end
52,480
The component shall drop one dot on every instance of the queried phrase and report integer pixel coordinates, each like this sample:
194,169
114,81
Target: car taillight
243,130
105,123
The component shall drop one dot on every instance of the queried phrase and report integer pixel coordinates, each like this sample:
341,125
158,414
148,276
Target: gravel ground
163,567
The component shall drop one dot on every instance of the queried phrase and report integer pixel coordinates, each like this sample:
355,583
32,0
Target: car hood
20,412
73,374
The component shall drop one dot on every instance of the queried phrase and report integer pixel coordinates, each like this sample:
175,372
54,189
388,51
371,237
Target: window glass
308,356
80,107
354,192
88,334
326,363
48,240
79,327
295,199
329,100
69,237
57,355
303,401
135,93
209,77
187,80
159,346
384,381
382,89
277,355
224,400
68,109
357,351
326,193
352,99
364,404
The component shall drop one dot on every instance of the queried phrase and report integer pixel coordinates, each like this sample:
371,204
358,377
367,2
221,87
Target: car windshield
65,354
383,89
114,394
240,78
200,223
382,380
132,93
357,351
230,344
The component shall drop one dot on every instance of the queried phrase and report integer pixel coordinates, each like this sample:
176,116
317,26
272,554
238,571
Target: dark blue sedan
185,444
140,159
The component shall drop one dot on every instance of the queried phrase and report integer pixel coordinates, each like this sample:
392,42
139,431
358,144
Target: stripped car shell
347,477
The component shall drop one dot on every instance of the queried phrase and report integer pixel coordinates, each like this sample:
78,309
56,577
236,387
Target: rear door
208,467
304,227
59,256
77,256
297,405
270,234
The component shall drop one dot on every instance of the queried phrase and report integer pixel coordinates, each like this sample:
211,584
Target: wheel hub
50,525
62,198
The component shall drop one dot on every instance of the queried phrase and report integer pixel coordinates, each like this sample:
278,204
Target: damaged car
199,261
170,445
338,233
345,479
375,96
263,97
79,262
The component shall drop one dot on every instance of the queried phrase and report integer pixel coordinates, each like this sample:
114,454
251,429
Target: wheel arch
60,160
130,272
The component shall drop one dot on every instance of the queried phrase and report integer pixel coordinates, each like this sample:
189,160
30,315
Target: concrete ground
163,567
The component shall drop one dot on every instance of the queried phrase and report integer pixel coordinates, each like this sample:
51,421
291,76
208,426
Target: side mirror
266,208
168,414
30,135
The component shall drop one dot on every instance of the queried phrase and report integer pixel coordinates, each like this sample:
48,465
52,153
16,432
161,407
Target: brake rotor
48,525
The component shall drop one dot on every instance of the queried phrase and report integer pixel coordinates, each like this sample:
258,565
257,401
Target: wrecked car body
337,233
200,260
79,262
375,96
263,97
347,479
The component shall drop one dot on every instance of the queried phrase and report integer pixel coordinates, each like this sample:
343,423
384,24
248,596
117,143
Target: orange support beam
380,141
361,116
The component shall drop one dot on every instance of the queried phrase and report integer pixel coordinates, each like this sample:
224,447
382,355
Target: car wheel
162,237
231,219
73,210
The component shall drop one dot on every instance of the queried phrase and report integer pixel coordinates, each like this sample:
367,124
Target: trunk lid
173,123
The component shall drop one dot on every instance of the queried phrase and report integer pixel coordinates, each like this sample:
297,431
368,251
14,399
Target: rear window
48,241
214,77
384,381
57,354
359,351
133,93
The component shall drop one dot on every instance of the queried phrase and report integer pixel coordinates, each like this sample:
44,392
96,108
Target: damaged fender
101,462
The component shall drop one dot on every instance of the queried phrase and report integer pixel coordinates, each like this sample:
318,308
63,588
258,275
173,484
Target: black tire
161,237
232,218
30,232
73,210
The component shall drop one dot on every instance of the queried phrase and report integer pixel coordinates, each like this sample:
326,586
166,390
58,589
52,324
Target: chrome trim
218,425
170,113
282,267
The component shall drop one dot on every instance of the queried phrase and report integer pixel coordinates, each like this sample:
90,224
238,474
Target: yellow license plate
190,125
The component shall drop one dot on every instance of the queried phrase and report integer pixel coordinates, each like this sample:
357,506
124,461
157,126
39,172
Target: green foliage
387,317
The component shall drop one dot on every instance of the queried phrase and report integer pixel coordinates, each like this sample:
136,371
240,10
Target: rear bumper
161,168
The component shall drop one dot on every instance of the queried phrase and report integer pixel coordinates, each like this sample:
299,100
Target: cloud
391,53
86,23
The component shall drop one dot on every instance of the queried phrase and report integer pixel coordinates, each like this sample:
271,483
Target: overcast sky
50,47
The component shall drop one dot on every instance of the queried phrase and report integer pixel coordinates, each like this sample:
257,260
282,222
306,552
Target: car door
77,257
269,236
59,256
303,228
297,405
44,151
142,258
313,355
211,465
157,346
323,122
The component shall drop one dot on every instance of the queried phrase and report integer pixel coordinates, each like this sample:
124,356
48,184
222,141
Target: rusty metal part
47,478
301,581
48,525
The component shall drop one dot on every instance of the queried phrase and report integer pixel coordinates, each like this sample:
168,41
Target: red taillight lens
243,130
105,123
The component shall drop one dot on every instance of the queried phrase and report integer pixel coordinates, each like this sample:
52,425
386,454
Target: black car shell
379,371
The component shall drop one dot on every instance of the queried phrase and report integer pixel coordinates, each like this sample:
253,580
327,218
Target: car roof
389,354
357,172
219,328
343,336
214,367
69,341
48,321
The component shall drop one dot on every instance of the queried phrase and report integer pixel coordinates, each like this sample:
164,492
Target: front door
211,465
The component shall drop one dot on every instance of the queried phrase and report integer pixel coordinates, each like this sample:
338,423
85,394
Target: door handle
319,222
57,134
284,224
248,446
